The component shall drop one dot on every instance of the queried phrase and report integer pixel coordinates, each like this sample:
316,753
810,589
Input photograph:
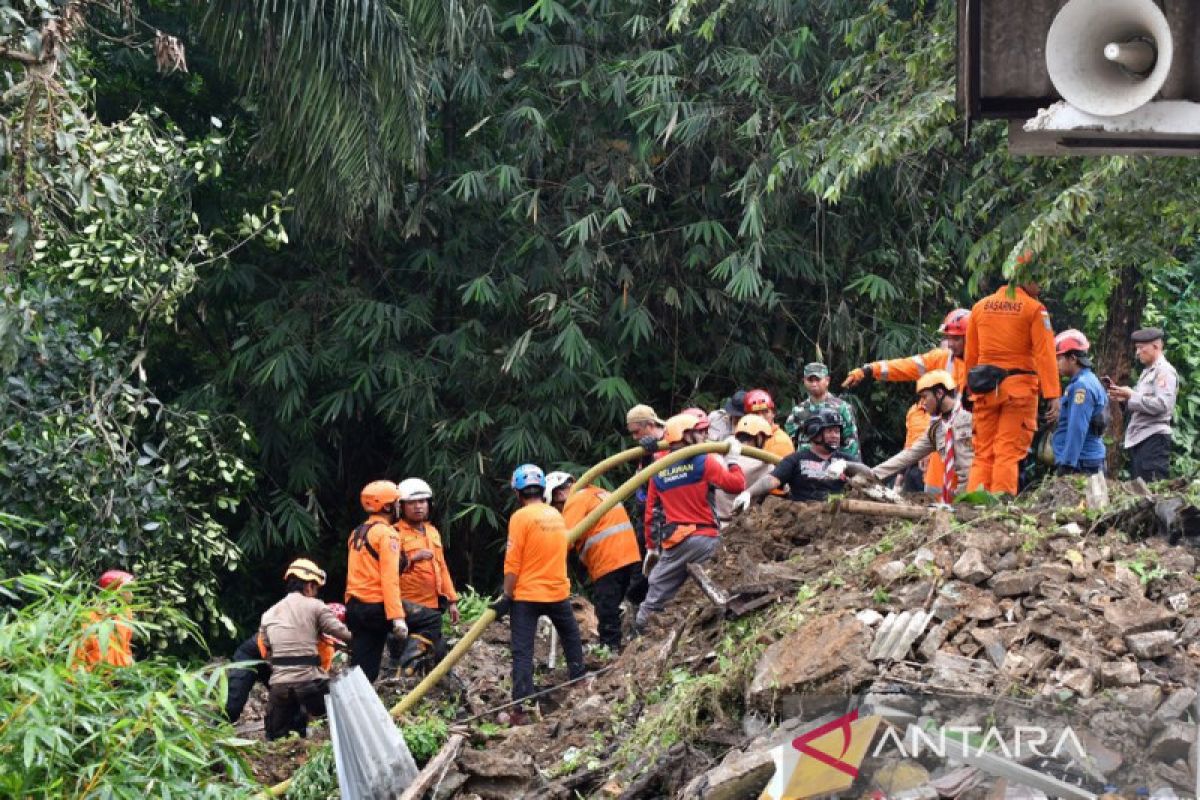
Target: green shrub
150,730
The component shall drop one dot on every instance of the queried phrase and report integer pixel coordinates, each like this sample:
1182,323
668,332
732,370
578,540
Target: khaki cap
641,414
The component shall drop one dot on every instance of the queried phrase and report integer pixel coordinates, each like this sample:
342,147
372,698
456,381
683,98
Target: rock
1174,742
1178,602
827,653
869,617
1191,630
1147,646
1079,681
923,556
1176,559
585,618
1008,561
889,571
970,567
1015,582
952,671
741,774
1119,673
1136,615
1140,698
900,776
1105,760
983,608
1174,707
497,776
1055,573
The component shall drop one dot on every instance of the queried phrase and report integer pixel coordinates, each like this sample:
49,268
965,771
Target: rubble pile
1049,606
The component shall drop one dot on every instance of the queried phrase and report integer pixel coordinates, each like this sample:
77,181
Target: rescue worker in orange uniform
425,582
759,401
373,601
1010,360
949,357
916,423
609,549
118,650
536,583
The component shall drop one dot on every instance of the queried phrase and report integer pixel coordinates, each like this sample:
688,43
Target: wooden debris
435,769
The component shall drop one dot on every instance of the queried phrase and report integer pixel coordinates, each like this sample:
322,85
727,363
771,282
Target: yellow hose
418,692
632,454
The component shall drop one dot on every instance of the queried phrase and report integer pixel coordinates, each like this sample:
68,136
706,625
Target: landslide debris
1042,601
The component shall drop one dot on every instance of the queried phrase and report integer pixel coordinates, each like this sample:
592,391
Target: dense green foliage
510,222
153,730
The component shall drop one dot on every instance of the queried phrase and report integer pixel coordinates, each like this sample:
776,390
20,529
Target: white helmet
414,489
553,481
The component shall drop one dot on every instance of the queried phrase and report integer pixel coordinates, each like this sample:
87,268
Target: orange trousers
1005,422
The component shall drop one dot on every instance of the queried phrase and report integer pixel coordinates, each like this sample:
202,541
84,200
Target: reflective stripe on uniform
604,534
883,369
920,362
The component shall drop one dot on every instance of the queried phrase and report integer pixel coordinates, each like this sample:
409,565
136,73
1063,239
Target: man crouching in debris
681,526
949,435
815,471
290,632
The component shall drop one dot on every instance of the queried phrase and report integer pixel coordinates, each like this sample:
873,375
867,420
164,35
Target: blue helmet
528,475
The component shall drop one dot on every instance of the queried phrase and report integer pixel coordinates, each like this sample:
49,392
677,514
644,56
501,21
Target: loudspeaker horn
1109,57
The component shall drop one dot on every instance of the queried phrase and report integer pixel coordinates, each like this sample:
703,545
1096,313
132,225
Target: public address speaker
1109,57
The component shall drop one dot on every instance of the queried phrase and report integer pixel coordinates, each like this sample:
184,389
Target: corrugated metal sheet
896,635
373,761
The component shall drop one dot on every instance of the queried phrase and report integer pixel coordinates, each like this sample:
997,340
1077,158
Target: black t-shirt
805,474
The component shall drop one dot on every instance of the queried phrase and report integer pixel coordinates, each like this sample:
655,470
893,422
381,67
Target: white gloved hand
400,628
735,448
741,502
836,468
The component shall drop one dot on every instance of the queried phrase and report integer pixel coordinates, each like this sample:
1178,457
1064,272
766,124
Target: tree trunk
1113,349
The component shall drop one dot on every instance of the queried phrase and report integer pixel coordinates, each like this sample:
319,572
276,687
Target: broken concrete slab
1080,681
1148,646
971,567
741,774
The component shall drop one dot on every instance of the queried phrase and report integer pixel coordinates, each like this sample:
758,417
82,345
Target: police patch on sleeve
1080,396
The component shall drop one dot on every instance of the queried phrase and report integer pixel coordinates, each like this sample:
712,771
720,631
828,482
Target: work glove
400,628
863,374
742,502
649,444
649,561
859,471
836,468
501,606
735,449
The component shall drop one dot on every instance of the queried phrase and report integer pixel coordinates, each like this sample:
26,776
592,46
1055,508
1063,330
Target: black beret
1147,335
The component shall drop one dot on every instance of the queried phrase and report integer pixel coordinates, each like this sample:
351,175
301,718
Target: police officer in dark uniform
815,471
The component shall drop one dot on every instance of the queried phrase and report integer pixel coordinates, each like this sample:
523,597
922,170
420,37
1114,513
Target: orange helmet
753,425
678,425
757,400
378,495
1071,340
936,377
955,323
114,579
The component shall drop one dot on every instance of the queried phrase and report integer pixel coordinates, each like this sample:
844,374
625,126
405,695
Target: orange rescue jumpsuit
611,543
1009,329
373,599
119,652
910,369
424,582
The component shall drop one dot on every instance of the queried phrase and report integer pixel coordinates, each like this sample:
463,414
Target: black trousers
522,621
370,626
1150,459
422,621
290,705
638,584
607,593
242,680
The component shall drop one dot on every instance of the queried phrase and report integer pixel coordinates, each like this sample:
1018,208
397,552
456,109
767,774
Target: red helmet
339,611
758,401
114,579
955,323
1070,340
